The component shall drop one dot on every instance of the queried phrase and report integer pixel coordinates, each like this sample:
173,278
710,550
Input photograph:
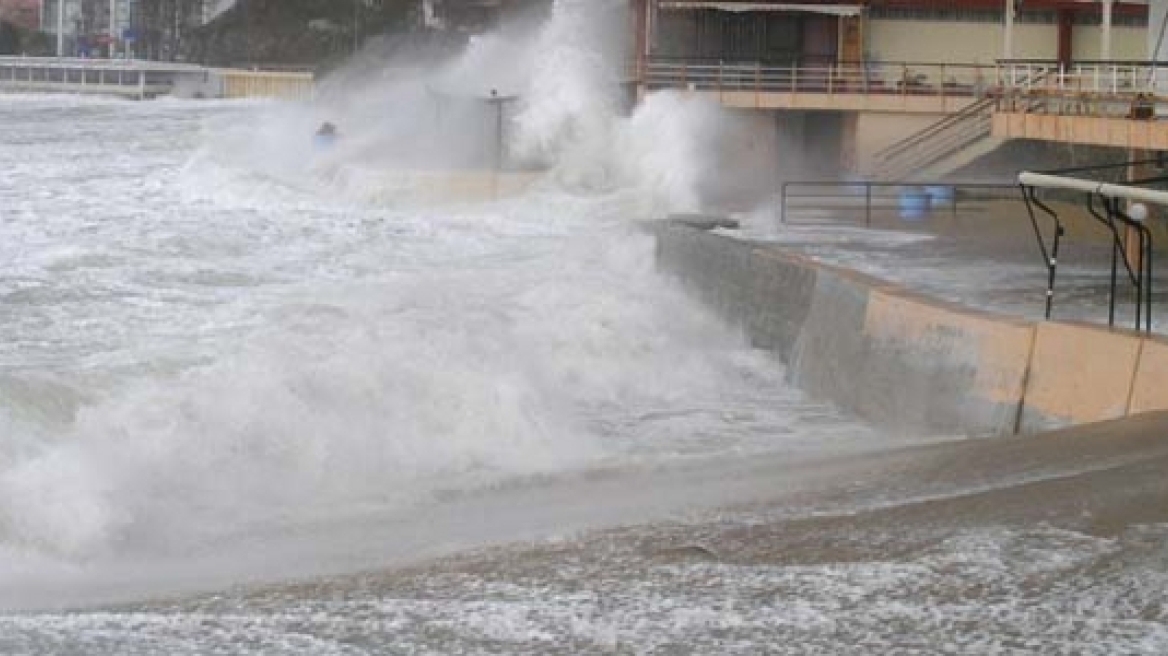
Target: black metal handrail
873,199
1111,215
1141,276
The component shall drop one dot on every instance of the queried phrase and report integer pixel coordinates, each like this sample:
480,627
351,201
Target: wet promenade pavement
1000,268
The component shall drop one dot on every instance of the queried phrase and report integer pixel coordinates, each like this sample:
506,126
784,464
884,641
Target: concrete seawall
910,362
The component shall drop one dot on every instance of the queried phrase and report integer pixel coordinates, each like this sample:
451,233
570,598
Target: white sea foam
209,330
203,347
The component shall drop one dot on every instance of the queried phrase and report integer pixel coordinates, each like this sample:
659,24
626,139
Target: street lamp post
498,102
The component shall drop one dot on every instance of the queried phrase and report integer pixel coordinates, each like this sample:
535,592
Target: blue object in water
326,136
939,195
914,203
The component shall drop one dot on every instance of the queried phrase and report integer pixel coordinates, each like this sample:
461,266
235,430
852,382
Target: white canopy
834,10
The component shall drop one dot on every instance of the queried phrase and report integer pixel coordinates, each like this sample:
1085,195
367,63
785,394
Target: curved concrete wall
908,361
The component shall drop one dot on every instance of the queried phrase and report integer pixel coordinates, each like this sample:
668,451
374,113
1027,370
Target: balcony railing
1136,90
1118,88
902,78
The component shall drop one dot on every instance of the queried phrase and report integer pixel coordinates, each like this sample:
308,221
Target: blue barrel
939,195
914,203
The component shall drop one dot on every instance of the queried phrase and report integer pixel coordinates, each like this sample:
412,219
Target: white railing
124,77
904,78
1137,90
95,64
1112,88
1115,78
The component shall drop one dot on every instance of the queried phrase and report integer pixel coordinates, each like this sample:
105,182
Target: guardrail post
783,203
867,204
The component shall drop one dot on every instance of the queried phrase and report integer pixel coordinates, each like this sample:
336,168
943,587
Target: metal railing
109,76
90,63
144,79
1107,204
1097,87
934,143
1118,89
868,77
884,204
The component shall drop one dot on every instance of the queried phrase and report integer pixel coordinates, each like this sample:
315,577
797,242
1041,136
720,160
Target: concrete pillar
60,28
1105,31
113,29
1008,31
643,37
641,25
1066,36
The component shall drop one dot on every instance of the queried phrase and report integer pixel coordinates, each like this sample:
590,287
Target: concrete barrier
911,362
782,286
1150,388
718,269
943,368
1079,373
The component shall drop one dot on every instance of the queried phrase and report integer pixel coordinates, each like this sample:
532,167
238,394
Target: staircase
931,149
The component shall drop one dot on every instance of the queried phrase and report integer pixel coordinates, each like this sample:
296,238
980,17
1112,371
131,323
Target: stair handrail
933,128
976,110
936,149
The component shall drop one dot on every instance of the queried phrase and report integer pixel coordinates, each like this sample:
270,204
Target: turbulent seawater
251,402
197,350
262,397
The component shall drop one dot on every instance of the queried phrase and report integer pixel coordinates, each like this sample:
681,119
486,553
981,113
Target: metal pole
1107,203
113,29
1008,32
867,204
783,203
1148,269
1105,34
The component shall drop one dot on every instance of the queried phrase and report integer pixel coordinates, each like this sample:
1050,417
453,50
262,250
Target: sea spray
293,352
561,109
570,106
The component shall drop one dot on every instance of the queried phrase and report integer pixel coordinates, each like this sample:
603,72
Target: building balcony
861,86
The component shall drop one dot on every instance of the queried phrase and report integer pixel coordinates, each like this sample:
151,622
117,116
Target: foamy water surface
231,360
196,349
215,374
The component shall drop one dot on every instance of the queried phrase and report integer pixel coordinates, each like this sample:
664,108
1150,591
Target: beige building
892,88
